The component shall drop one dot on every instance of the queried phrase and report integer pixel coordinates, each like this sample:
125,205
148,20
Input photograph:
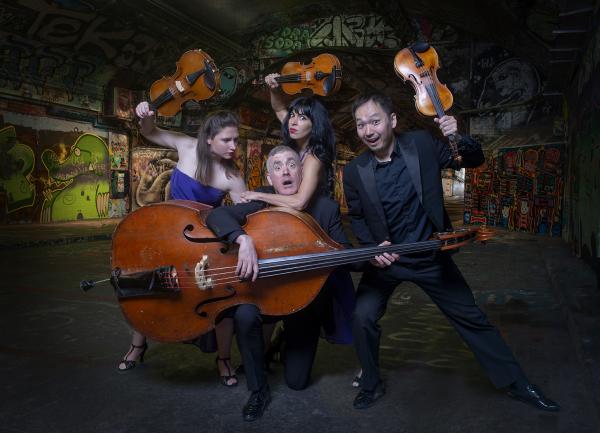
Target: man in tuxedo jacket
302,329
394,195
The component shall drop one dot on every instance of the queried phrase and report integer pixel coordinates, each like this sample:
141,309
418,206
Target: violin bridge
179,86
202,281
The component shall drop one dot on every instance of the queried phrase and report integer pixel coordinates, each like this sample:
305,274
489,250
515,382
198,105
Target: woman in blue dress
205,172
305,126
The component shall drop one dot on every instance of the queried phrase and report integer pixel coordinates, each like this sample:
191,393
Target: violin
197,78
418,64
323,75
174,277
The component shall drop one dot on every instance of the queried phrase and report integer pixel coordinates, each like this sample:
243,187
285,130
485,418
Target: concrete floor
60,349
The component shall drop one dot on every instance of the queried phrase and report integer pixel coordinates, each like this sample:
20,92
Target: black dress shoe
256,404
531,394
365,399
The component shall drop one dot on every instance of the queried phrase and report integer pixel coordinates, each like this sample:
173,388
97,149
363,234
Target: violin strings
433,94
437,102
291,78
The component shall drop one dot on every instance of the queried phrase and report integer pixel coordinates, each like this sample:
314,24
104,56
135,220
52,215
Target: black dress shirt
406,218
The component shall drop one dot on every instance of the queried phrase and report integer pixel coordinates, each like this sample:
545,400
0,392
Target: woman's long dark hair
322,138
212,125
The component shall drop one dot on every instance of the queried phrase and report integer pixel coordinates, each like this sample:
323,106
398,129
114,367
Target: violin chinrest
420,47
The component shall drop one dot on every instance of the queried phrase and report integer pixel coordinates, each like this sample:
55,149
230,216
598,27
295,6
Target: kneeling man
302,329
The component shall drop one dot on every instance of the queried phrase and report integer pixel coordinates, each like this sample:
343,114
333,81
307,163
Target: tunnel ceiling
131,44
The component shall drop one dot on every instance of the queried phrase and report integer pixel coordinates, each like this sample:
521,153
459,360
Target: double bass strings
294,264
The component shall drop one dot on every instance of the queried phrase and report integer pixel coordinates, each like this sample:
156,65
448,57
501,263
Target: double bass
174,277
418,64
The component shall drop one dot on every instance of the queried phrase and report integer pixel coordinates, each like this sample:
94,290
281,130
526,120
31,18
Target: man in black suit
394,195
302,329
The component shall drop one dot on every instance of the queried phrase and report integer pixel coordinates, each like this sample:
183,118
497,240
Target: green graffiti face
86,198
228,81
86,169
88,155
16,164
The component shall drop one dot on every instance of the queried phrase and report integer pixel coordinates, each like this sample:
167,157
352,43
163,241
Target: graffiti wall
151,170
505,85
518,188
50,170
66,52
363,31
583,188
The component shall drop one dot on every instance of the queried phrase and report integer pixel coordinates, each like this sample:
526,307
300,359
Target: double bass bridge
202,280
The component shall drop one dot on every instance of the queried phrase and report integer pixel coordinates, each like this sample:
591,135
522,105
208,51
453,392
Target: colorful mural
51,171
364,31
16,166
118,208
518,188
150,175
500,80
255,164
84,173
118,150
583,189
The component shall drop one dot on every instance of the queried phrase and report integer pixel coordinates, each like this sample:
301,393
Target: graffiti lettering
365,31
369,31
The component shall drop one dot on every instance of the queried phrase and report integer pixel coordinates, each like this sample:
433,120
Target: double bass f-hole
418,64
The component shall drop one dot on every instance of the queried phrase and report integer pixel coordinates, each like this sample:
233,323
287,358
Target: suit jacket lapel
367,176
409,151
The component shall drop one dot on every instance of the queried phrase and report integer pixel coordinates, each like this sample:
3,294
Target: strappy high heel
225,379
128,364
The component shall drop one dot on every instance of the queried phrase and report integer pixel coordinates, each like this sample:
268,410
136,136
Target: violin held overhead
174,277
418,64
323,75
197,78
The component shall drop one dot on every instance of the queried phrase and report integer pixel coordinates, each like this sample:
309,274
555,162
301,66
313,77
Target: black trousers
301,337
445,285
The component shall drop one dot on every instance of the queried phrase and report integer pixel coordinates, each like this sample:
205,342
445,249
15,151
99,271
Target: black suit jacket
425,157
227,221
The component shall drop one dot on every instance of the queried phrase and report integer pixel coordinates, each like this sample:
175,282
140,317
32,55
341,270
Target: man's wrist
242,239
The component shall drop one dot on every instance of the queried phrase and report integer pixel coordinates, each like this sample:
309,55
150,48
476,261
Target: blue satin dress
184,187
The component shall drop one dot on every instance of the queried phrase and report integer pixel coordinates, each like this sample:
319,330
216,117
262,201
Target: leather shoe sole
255,411
533,396
366,399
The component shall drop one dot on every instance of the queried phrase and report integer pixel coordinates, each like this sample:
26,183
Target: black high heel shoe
128,364
225,379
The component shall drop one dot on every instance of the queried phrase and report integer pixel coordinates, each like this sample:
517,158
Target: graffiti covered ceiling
83,47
